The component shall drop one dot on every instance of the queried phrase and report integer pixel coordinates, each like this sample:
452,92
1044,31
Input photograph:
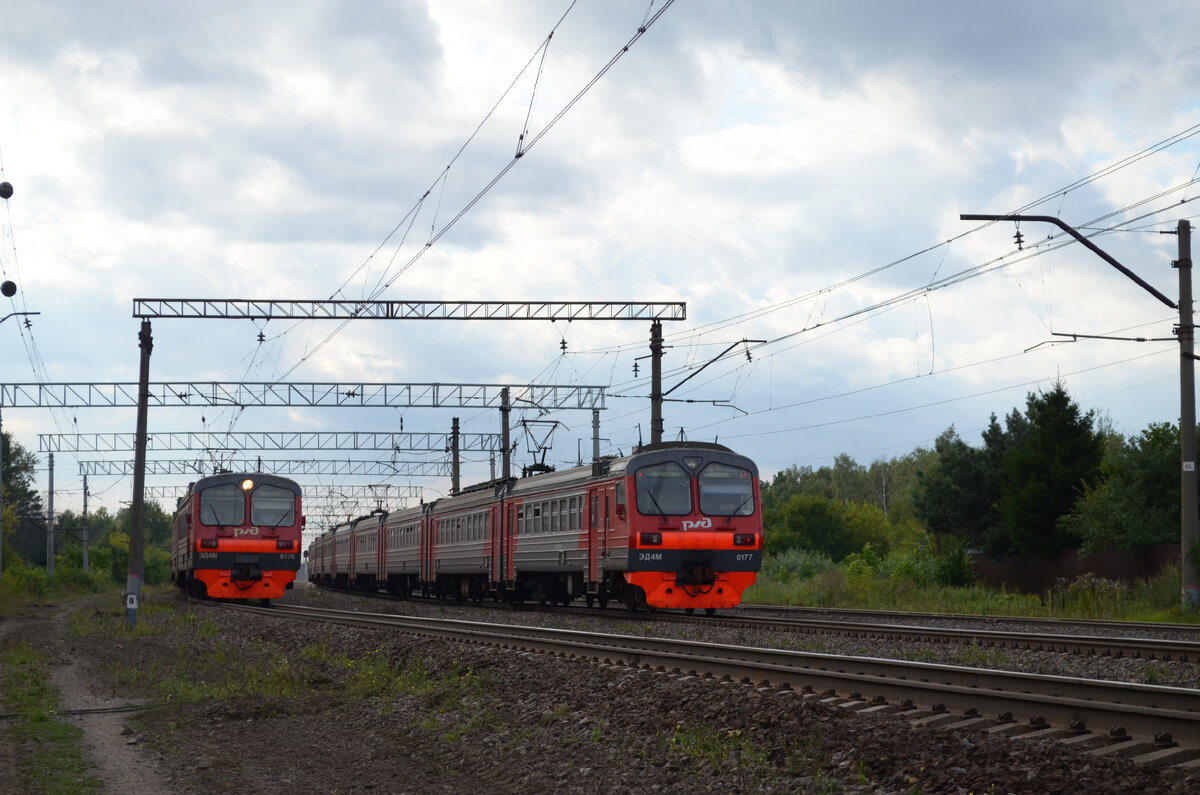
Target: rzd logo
245,531
698,524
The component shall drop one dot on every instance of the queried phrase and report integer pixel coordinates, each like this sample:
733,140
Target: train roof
698,450
580,476
238,477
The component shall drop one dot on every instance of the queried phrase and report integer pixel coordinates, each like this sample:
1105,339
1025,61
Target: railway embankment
222,700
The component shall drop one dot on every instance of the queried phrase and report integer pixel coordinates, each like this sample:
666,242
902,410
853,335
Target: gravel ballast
475,718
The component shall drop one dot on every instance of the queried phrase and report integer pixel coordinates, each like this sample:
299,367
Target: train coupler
696,573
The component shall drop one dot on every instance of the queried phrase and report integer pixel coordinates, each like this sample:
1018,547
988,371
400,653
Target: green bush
865,563
65,573
925,567
156,567
117,555
952,567
794,564
22,579
915,565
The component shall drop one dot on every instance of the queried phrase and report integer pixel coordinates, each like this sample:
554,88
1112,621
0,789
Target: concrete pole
50,523
85,525
1189,520
595,435
137,508
505,454
656,393
454,462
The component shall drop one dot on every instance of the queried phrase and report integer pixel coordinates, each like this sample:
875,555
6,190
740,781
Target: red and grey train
237,536
673,525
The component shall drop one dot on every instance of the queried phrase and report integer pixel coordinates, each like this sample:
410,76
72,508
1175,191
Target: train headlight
650,539
208,543
281,544
743,539
247,484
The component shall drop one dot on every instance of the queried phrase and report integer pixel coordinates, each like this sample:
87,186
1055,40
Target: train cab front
695,528
247,536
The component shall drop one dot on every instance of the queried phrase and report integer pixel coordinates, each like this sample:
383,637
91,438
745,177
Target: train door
601,514
495,531
509,566
428,540
607,523
381,537
593,537
184,553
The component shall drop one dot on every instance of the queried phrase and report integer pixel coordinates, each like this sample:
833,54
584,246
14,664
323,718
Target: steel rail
1065,643
1143,711
1072,625
1147,648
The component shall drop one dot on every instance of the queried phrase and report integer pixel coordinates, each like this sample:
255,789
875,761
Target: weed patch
718,749
53,760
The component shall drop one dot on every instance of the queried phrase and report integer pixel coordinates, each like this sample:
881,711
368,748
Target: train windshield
726,491
222,505
271,506
664,490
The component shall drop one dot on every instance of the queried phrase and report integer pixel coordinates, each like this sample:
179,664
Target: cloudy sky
793,171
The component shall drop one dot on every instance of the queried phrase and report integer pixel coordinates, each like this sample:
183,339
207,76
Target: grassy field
1154,600
52,761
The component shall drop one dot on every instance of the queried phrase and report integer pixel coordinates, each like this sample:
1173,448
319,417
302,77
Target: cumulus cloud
794,172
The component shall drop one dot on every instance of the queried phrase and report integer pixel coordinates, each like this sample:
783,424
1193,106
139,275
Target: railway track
1055,636
1071,626
1056,641
1147,722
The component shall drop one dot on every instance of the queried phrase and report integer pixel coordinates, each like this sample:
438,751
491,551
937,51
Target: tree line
24,530
1049,477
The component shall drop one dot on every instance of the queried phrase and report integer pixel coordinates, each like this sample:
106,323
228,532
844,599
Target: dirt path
115,752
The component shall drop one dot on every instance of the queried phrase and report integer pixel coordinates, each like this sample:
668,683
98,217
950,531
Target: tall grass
892,585
23,585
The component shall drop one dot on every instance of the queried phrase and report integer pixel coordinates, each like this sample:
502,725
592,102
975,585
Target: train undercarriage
543,588
245,584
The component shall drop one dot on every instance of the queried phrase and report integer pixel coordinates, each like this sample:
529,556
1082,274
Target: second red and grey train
674,525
